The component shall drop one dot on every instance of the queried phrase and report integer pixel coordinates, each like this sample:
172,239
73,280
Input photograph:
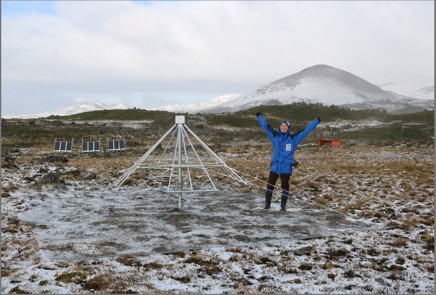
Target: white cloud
122,49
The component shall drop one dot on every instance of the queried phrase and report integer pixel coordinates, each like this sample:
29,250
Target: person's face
284,128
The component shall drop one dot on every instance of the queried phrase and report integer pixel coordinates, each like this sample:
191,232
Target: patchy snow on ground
354,227
131,221
348,126
134,124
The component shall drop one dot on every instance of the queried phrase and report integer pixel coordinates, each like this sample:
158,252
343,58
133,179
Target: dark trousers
272,179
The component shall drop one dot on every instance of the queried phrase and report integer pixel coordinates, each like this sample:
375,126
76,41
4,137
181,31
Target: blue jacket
284,145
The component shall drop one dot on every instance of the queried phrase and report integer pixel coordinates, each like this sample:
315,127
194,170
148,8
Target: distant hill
199,106
420,87
72,109
425,93
329,86
365,126
317,84
300,112
120,115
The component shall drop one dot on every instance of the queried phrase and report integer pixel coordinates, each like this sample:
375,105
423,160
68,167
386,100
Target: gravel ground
360,220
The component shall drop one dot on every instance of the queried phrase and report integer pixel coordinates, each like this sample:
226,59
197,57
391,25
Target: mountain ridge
198,106
327,85
72,110
316,84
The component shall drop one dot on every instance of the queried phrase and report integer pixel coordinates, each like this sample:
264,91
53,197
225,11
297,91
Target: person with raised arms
284,144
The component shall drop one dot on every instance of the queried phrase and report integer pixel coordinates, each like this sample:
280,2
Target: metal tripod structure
186,163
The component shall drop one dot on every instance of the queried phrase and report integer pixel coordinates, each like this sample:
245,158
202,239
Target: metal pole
179,137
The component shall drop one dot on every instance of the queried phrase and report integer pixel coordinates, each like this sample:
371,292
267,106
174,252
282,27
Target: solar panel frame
91,146
116,145
63,146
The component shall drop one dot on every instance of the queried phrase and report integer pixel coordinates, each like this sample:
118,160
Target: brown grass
410,222
100,283
399,242
128,261
9,188
68,277
329,265
5,194
18,290
200,261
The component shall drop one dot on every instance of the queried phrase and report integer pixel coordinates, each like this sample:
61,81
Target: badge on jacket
288,146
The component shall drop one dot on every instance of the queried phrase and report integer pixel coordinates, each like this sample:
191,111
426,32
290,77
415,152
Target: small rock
91,176
16,151
29,179
43,170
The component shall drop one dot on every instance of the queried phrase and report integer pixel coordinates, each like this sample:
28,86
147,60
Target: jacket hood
289,127
286,122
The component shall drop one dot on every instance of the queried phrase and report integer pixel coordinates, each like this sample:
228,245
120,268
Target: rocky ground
389,188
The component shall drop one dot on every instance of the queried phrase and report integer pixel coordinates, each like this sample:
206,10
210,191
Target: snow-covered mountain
72,109
198,106
424,93
411,86
329,86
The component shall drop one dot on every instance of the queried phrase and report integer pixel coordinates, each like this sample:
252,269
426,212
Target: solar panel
116,145
90,146
63,146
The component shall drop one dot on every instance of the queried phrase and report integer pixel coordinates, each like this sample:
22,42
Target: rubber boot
268,197
283,204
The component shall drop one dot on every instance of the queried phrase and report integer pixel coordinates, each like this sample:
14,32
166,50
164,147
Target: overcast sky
147,54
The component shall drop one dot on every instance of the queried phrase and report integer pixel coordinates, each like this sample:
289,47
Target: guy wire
277,189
